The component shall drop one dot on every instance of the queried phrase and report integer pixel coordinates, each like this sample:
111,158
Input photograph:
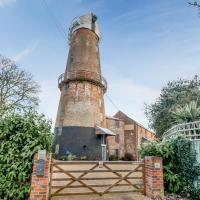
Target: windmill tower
80,123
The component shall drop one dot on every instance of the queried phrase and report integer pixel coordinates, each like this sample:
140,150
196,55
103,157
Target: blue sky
144,44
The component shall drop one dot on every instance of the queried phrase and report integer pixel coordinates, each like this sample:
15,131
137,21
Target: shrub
73,157
65,158
83,157
68,157
179,163
112,158
21,136
186,166
128,157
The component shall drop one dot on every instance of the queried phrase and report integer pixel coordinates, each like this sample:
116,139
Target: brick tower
80,123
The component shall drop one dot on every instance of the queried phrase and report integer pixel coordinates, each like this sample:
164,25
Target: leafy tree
179,163
188,113
21,136
17,87
176,93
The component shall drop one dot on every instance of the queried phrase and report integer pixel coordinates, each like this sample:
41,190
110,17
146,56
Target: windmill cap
88,21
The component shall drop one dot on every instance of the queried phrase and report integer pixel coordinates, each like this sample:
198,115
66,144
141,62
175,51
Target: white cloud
24,53
130,98
49,98
6,2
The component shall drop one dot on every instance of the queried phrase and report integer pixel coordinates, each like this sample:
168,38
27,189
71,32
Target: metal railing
82,75
190,130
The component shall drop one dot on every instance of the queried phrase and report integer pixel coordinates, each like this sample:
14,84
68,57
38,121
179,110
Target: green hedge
180,165
21,136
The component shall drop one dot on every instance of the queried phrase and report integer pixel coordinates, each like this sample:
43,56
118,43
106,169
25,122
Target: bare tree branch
17,87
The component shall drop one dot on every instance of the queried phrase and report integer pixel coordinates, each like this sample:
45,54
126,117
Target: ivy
21,136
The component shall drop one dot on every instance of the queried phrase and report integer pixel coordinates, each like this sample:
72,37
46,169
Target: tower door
104,151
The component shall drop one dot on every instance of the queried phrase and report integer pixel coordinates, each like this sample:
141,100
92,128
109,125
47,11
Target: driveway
118,196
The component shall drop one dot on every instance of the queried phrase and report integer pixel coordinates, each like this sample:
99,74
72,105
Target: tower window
101,117
99,103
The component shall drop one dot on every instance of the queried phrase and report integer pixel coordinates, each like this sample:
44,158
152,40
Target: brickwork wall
130,143
81,104
84,52
142,132
133,134
154,185
134,137
40,184
117,126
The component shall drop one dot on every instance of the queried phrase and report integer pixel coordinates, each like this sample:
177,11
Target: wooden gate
93,177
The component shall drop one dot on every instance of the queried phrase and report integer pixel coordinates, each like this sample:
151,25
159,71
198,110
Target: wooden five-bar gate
94,177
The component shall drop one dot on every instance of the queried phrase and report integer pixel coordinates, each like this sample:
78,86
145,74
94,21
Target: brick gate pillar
40,184
153,183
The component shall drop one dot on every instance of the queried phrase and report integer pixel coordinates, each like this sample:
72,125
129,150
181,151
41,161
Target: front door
104,151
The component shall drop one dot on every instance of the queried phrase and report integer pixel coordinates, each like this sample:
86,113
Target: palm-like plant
188,113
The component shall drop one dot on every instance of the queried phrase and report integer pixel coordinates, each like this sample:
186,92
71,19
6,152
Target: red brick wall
40,184
130,143
117,126
133,135
153,177
142,132
81,102
84,52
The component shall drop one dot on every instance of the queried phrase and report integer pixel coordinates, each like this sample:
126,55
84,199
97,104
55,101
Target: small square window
117,124
117,138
